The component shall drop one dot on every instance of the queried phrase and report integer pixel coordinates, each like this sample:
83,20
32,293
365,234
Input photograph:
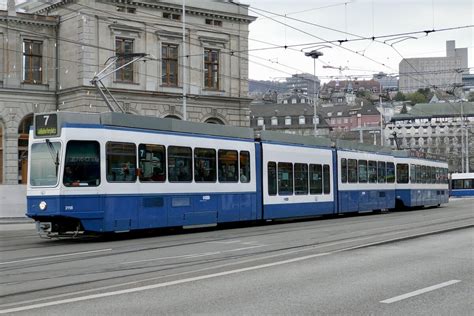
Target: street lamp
315,54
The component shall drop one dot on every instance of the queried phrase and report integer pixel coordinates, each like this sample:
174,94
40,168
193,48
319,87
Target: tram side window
343,170
352,171
82,164
285,178
204,165
228,165
372,171
381,172
272,178
180,166
315,179
301,178
412,173
326,179
468,184
244,166
121,162
152,162
390,172
362,171
458,184
402,173
418,174
423,174
433,174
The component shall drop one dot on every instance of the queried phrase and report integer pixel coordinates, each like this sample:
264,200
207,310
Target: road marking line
418,292
161,285
204,269
223,242
56,256
245,248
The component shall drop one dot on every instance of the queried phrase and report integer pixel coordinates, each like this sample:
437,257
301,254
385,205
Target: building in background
49,55
436,128
297,118
440,72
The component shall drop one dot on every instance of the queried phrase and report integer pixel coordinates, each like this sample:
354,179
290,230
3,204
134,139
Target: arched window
214,120
173,117
23,130
274,121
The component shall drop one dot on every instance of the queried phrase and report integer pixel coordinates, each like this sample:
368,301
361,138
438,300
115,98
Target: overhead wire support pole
184,62
100,86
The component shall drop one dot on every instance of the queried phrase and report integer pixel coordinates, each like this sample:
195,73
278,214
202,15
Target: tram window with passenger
121,162
205,165
152,162
228,165
180,168
82,164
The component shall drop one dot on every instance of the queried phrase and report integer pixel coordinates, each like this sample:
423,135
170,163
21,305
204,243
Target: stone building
49,55
442,72
436,128
295,119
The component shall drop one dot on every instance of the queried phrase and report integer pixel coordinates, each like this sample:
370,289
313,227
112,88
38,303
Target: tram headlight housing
43,205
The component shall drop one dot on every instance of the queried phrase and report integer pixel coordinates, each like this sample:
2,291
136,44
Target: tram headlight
43,205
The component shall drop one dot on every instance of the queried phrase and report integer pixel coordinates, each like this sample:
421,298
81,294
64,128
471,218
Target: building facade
440,72
297,119
49,55
437,128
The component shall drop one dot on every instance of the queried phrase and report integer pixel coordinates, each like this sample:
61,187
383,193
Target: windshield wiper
54,154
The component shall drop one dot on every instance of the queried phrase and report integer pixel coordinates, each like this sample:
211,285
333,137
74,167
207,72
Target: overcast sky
364,18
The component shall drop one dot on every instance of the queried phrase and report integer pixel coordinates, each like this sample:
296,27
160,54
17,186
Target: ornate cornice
29,19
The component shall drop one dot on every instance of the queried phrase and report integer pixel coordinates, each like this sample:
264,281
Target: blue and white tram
298,176
366,180
420,181
114,172
462,184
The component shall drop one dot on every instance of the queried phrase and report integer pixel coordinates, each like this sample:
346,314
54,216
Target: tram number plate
46,125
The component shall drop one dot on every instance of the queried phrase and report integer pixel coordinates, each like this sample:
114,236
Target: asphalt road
417,263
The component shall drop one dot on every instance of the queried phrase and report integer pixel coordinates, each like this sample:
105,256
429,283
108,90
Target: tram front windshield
44,163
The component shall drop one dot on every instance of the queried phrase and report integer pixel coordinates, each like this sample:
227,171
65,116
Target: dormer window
302,120
274,121
214,22
288,120
171,16
339,113
260,121
293,101
329,114
126,9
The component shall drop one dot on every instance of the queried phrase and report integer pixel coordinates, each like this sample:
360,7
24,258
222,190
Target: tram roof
293,139
355,146
152,123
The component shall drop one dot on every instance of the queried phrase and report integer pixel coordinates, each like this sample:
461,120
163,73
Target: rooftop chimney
11,8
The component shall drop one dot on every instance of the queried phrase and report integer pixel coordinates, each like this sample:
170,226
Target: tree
417,97
400,96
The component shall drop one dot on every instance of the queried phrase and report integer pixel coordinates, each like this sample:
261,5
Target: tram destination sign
46,125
